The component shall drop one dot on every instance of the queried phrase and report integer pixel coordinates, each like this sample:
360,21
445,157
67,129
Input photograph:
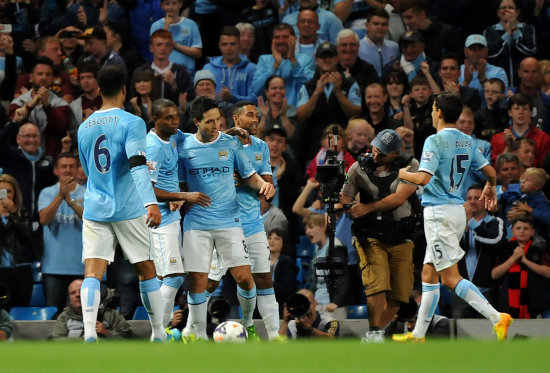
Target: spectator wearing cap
380,218
476,70
329,97
510,41
330,25
204,84
412,46
96,47
294,68
287,176
374,47
171,79
439,37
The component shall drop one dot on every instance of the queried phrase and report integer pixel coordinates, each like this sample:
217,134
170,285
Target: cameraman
69,323
383,224
310,325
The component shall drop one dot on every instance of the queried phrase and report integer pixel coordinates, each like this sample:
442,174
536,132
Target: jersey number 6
99,151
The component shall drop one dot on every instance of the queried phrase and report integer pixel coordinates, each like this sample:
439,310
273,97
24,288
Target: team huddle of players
134,183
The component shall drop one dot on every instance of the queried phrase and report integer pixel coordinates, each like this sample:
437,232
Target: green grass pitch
347,355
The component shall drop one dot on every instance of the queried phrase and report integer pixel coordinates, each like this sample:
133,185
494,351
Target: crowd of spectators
314,69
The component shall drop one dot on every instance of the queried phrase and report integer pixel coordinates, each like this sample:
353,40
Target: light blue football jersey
107,139
448,156
249,204
163,156
208,168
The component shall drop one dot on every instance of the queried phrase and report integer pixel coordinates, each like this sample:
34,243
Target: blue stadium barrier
37,298
358,311
32,313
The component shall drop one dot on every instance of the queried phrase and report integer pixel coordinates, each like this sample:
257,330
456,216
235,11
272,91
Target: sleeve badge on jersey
222,154
427,156
259,157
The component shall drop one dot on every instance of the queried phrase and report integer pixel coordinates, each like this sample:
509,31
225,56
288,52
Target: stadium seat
36,271
304,248
358,311
140,314
37,297
32,313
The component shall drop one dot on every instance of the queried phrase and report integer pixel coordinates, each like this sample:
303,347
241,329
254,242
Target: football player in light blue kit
162,155
245,116
119,203
447,157
209,160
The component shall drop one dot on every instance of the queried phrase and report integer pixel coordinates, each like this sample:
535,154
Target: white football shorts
167,249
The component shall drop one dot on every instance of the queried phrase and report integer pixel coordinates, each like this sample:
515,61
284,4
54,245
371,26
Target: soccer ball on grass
230,331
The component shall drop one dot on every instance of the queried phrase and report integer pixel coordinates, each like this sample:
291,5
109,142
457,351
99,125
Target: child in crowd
525,150
359,134
417,113
523,266
492,118
185,33
331,300
327,142
528,199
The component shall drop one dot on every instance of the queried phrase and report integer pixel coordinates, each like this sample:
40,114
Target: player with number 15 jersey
448,156
107,140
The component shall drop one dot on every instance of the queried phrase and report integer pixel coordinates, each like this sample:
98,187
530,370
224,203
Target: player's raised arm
256,182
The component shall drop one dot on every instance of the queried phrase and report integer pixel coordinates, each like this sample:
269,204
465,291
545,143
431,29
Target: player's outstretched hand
198,198
268,190
153,216
490,194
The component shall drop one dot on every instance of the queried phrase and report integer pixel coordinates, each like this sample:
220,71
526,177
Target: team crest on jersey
173,260
222,154
258,157
427,156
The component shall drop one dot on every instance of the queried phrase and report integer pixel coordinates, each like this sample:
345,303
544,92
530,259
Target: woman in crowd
283,268
142,102
15,234
275,108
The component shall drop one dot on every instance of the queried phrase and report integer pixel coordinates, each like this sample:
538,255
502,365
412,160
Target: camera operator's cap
277,129
387,141
202,75
475,39
93,32
326,48
411,37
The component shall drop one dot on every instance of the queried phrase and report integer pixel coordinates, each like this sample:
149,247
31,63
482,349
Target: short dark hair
526,218
416,5
285,250
377,12
284,26
506,157
238,107
497,81
450,105
159,105
230,31
201,105
43,61
119,28
516,144
89,67
397,75
476,187
520,99
65,155
419,80
451,56
111,80
266,85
